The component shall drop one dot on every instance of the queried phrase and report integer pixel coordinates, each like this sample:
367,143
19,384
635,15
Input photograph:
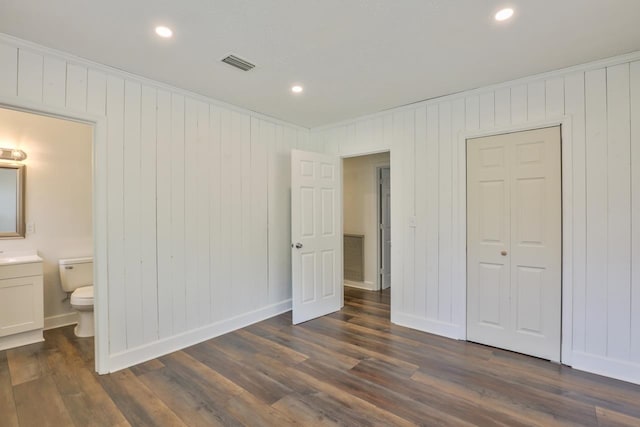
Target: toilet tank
75,273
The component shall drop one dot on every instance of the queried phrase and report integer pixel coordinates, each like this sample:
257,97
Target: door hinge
382,270
381,226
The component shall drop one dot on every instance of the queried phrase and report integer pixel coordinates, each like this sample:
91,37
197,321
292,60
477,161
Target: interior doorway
366,222
98,167
514,241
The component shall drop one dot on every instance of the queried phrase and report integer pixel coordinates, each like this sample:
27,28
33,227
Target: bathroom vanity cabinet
21,300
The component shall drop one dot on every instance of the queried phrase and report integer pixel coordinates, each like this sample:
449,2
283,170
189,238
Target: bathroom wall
360,210
57,196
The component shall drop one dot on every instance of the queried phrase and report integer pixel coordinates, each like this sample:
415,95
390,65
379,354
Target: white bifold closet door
514,242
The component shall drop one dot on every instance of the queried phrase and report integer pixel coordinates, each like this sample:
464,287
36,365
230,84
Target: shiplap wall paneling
132,213
54,81
406,129
596,210
262,136
472,112
445,272
8,70
518,105
432,196
188,188
235,185
458,202
30,75
280,214
163,221
242,238
219,290
96,92
618,212
554,98
148,209
422,184
76,87
487,107
397,215
202,165
191,212
115,207
536,101
574,87
503,107
225,304
635,210
178,218
600,107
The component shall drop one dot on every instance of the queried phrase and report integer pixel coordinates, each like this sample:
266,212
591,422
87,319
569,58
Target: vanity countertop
19,257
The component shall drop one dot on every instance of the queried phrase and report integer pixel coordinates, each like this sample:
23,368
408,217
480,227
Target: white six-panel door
514,252
316,203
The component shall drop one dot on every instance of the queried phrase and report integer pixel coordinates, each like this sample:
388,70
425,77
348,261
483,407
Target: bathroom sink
24,257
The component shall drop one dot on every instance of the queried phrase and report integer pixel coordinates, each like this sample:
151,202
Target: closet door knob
503,253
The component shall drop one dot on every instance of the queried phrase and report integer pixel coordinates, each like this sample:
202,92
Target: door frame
378,170
566,170
99,213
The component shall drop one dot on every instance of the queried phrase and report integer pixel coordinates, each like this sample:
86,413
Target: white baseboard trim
436,327
369,286
608,367
23,338
168,345
60,320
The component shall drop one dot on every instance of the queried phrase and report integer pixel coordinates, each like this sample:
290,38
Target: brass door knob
503,253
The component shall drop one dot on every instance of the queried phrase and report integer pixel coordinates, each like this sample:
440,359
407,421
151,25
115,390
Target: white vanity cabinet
21,300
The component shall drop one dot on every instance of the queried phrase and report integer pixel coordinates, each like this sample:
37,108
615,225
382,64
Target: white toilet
76,275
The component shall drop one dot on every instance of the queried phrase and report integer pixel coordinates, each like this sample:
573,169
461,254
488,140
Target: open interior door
316,249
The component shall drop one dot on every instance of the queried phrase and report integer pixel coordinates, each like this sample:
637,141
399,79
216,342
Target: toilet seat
82,296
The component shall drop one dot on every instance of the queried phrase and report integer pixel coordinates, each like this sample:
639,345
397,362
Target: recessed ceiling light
296,89
504,14
163,31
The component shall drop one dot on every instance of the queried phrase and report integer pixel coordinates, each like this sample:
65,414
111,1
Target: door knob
298,245
503,253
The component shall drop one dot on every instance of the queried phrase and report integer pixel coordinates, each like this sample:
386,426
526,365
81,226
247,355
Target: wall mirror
11,201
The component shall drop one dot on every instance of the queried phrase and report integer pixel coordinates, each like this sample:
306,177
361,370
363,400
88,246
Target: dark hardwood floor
350,368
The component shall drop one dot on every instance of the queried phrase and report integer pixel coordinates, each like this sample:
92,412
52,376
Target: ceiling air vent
238,63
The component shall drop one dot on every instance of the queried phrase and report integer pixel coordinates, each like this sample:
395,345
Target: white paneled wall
197,200
600,106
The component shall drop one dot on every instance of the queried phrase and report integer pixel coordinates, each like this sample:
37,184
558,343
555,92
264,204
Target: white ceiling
353,56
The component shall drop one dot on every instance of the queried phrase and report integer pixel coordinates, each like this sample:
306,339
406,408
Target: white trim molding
369,286
430,326
60,320
177,342
618,369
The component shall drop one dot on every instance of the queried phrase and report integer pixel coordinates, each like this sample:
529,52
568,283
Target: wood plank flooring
351,368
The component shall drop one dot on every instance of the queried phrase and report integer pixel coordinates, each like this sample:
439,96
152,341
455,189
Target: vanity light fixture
14,154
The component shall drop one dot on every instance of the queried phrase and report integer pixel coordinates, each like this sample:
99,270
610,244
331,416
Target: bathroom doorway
367,225
60,216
